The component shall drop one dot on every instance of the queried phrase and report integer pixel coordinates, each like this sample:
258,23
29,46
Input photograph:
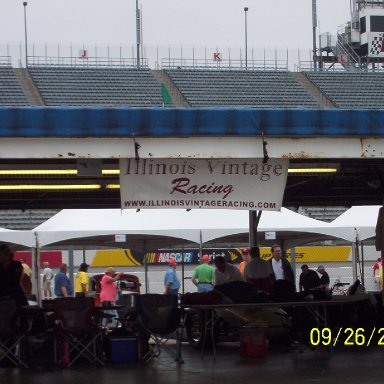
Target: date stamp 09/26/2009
358,337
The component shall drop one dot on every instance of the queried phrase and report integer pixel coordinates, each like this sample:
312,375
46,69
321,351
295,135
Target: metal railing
104,62
183,63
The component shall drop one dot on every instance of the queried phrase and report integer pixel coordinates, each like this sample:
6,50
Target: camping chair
76,334
160,318
11,334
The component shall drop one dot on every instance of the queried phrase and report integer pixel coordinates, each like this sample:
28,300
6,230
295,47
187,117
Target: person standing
171,280
246,259
47,280
26,280
203,276
282,270
108,293
309,279
82,281
225,272
63,286
258,271
376,270
324,277
11,272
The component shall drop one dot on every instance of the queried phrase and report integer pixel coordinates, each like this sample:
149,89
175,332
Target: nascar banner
203,183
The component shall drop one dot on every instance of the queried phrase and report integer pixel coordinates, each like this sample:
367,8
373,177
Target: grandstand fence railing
272,65
88,62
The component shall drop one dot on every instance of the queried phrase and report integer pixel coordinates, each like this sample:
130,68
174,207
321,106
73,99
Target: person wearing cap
376,270
171,280
203,275
82,281
246,257
108,293
324,277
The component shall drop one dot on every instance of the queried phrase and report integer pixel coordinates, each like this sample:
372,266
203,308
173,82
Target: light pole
25,33
314,26
138,33
246,36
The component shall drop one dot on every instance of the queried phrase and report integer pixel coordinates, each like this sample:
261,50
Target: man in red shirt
376,268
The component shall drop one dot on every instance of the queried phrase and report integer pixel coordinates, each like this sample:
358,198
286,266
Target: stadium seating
261,89
11,92
96,86
351,89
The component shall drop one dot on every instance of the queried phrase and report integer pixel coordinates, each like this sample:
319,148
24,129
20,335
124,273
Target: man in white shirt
226,273
282,270
47,280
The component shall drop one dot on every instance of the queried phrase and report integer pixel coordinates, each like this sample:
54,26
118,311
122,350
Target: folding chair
11,334
76,334
160,319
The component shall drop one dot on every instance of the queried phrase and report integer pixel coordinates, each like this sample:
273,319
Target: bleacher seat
351,90
11,92
96,86
252,88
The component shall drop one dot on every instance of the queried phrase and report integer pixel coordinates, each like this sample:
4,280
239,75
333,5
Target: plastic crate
122,350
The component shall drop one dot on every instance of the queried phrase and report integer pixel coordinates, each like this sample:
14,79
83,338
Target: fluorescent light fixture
56,187
31,172
312,170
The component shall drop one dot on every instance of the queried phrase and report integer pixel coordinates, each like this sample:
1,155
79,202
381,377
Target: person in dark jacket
309,279
11,272
282,270
324,277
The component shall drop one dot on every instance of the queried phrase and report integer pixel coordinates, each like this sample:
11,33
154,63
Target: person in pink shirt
108,293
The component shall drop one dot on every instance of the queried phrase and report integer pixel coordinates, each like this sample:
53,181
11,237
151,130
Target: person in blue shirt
171,280
63,286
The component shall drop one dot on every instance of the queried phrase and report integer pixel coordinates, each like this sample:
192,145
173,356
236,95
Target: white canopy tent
148,230
152,229
17,239
143,230
358,221
290,227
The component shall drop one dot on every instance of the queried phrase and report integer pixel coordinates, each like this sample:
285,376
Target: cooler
253,342
122,350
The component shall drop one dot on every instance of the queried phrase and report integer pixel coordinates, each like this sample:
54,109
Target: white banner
215,183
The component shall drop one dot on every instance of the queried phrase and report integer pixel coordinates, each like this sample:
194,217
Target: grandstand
350,90
11,92
84,86
191,87
249,88
54,85
24,219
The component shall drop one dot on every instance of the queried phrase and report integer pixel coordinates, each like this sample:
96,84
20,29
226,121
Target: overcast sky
198,23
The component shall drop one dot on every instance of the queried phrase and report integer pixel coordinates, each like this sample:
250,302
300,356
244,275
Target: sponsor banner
321,254
191,256
203,183
115,257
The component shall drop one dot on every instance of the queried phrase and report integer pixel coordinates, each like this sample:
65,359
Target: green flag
165,96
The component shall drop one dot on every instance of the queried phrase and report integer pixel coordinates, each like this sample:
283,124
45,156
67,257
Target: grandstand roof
162,122
56,137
